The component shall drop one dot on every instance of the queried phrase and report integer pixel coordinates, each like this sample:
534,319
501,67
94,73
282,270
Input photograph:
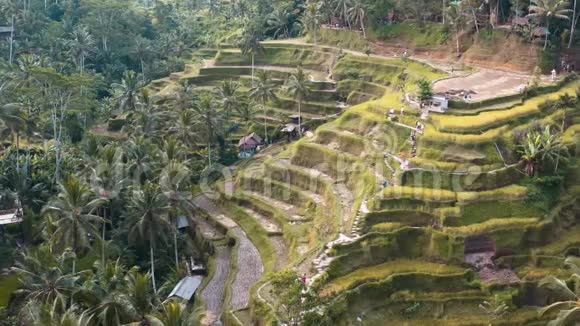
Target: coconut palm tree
357,14
569,307
181,128
80,46
142,50
210,118
312,18
229,96
547,10
262,92
280,23
140,301
573,23
341,8
104,295
174,313
298,86
141,157
15,121
148,220
75,224
108,179
174,184
42,313
127,92
246,111
250,43
42,276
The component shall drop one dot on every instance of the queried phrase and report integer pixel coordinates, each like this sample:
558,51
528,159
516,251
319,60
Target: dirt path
249,270
249,263
213,293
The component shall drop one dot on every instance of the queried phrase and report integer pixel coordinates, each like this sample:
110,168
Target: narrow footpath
249,263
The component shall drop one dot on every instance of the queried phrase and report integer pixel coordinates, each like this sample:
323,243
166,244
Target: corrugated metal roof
182,222
186,288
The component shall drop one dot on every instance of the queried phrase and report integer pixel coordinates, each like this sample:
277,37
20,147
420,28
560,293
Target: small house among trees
248,145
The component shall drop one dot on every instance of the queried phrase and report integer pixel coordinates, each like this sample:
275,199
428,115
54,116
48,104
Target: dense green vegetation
118,120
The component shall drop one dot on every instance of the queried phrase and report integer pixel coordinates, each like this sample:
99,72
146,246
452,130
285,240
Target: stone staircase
322,262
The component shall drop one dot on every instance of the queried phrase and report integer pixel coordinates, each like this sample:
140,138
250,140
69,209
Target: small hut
248,145
186,288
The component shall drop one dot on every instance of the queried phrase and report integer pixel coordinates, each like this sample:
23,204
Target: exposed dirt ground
486,83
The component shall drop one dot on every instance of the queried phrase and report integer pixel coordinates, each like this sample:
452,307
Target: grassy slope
379,272
8,285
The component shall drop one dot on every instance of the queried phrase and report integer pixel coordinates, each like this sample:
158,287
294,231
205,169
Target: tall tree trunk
574,23
265,127
152,258
299,118
362,25
209,152
103,236
443,12
175,241
475,20
74,265
17,151
142,69
253,80
547,33
457,39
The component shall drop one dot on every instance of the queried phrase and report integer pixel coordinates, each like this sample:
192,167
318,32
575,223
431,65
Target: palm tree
263,92
140,301
312,19
573,23
149,219
42,277
81,45
210,119
108,179
182,127
300,90
141,159
142,50
246,111
229,96
127,92
149,118
173,181
16,122
76,223
279,22
174,313
341,8
42,313
104,295
569,306
455,16
548,9
250,43
357,14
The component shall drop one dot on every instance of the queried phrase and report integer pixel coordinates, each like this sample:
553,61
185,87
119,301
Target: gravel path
249,263
213,293
249,270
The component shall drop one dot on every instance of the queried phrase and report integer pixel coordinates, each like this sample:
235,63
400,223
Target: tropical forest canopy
102,164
